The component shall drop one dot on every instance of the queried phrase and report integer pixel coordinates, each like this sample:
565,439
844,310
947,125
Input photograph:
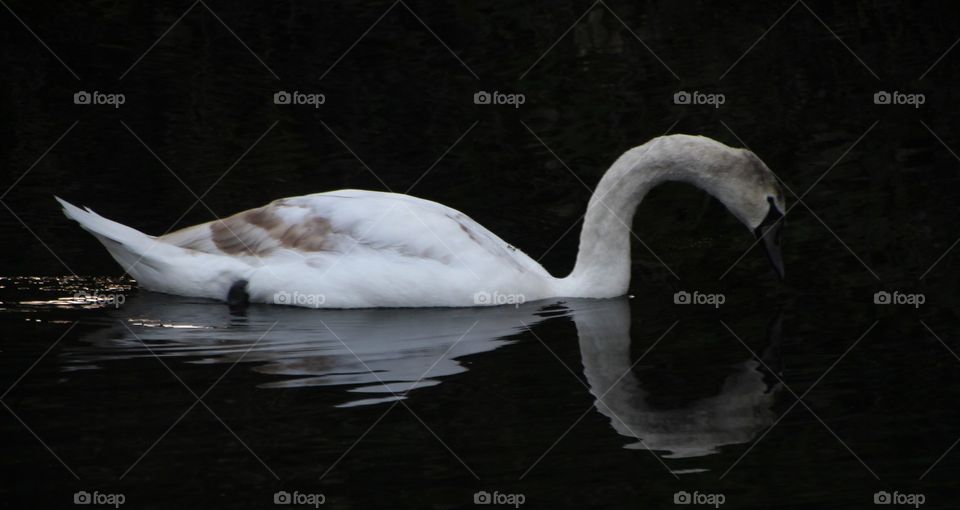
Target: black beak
770,231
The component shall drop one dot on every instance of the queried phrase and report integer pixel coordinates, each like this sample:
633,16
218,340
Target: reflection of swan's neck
733,416
603,262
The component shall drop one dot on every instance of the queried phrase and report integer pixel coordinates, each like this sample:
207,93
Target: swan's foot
237,297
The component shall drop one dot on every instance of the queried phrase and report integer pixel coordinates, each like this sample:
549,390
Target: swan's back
353,222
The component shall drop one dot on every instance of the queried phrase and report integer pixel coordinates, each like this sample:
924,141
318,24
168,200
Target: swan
366,249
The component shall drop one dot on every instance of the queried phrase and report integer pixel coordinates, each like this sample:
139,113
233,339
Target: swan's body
355,249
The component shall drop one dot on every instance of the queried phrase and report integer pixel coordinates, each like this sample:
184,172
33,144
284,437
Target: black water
423,408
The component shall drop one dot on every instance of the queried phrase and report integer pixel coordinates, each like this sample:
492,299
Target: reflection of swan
361,249
406,349
740,411
409,349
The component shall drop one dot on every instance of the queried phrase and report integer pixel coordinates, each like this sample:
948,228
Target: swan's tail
129,247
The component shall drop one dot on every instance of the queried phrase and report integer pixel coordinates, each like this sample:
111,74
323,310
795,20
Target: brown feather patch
243,233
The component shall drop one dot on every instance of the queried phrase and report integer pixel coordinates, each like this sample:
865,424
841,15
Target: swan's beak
770,231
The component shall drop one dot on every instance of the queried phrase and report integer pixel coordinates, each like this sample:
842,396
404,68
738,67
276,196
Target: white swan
357,249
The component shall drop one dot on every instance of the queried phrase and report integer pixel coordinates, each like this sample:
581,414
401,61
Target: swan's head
752,193
736,177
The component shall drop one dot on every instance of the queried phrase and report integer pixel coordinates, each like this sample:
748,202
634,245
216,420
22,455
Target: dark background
199,100
880,213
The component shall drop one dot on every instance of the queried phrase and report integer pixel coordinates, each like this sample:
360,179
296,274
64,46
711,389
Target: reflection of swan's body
357,249
735,415
409,349
404,348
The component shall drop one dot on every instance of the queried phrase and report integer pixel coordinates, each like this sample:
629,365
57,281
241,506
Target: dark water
803,393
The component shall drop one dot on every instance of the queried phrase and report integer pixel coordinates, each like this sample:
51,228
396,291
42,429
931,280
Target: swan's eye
773,202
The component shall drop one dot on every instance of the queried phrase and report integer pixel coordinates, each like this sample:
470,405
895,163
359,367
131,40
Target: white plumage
357,249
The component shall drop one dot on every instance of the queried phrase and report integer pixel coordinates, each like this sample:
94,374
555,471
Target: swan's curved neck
602,269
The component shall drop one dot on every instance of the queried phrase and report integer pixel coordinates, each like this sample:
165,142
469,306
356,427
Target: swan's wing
349,222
